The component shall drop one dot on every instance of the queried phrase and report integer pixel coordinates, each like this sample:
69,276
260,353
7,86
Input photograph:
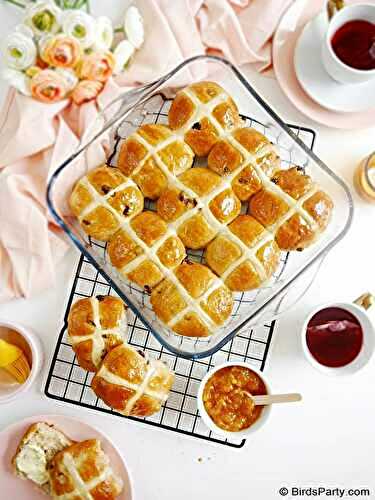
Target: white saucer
317,83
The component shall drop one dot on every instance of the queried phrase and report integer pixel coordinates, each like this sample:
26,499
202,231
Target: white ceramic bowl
367,346
264,416
30,344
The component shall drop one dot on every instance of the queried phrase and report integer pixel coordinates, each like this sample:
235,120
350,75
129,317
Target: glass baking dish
150,104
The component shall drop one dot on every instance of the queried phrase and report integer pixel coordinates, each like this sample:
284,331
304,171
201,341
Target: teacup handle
366,301
334,6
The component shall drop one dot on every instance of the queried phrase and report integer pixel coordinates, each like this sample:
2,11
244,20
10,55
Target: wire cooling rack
68,382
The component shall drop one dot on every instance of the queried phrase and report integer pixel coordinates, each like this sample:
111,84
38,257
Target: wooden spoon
270,399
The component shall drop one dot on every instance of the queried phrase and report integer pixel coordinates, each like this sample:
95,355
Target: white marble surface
327,440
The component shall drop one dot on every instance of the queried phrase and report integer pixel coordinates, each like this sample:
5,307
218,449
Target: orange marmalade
226,397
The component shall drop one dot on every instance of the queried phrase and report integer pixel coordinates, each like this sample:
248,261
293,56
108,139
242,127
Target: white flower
133,27
122,53
43,17
80,26
69,76
18,80
19,51
103,34
25,30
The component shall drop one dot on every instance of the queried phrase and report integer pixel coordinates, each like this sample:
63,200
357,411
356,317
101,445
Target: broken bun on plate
38,446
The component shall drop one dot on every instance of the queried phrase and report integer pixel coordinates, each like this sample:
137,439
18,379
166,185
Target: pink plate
13,487
285,39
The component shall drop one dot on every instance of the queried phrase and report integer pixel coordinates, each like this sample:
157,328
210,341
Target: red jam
334,337
354,44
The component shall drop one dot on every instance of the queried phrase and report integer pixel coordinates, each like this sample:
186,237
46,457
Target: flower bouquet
60,52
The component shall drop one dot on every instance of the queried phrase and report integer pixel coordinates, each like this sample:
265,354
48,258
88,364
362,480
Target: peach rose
97,66
61,51
86,91
48,86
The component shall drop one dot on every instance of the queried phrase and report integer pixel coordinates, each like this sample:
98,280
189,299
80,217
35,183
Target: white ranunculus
80,26
133,27
69,76
122,53
103,33
18,80
25,30
19,51
43,17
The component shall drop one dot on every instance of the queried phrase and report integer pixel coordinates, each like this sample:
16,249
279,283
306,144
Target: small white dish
264,416
318,84
368,344
31,346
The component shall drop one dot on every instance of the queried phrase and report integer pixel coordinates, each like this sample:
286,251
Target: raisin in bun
103,199
293,208
195,304
146,251
244,257
152,156
95,326
203,112
132,384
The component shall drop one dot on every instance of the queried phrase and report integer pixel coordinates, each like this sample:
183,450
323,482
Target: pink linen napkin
35,138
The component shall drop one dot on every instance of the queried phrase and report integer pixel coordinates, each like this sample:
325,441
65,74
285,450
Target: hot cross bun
95,326
103,200
82,471
130,383
195,303
202,113
146,251
152,156
293,208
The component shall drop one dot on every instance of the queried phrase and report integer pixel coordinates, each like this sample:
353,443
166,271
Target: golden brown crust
225,206
203,133
244,277
147,274
172,252
246,183
166,301
247,229
95,326
122,249
149,227
319,206
293,182
196,232
201,180
220,253
103,199
150,180
195,278
172,204
81,469
224,158
295,233
132,384
267,207
144,155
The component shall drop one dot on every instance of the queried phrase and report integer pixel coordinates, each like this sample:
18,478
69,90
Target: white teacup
360,309
337,69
